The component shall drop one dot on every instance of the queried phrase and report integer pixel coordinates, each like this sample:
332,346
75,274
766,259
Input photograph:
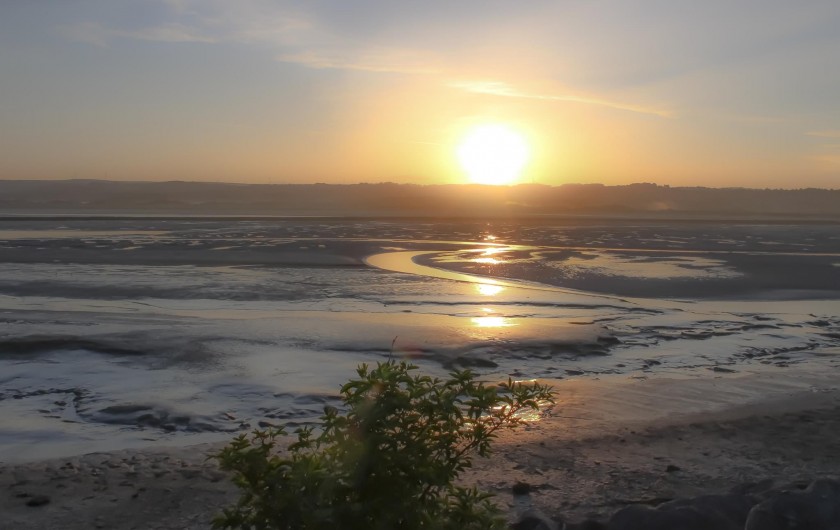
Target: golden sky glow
718,94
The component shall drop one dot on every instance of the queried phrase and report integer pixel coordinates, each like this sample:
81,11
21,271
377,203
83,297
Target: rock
815,508
535,520
646,518
608,339
721,369
472,361
671,468
732,508
521,488
708,512
38,500
589,524
760,490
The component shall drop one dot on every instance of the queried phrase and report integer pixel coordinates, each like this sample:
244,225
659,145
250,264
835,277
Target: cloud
170,33
497,88
93,33
380,61
177,21
295,36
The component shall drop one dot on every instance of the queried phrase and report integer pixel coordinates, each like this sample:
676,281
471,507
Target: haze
676,93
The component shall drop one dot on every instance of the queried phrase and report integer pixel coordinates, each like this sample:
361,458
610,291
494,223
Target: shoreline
599,449
658,397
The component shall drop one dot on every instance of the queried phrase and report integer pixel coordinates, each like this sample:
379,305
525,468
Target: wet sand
657,397
604,445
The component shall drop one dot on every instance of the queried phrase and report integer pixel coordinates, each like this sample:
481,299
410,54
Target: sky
684,93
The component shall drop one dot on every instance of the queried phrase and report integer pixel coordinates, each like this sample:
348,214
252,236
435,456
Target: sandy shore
604,445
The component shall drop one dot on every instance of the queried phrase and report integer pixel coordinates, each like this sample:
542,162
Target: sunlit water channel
141,331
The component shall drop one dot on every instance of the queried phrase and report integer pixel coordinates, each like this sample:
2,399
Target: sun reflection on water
528,414
491,320
534,415
487,289
492,250
487,255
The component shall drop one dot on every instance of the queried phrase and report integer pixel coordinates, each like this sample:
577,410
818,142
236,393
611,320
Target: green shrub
389,462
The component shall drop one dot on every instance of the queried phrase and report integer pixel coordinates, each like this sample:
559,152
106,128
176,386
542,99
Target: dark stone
723,370
709,512
149,420
521,488
589,524
592,525
767,488
671,468
535,520
608,339
38,500
732,508
815,508
468,361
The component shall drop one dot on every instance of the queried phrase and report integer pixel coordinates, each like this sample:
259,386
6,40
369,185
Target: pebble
521,488
38,500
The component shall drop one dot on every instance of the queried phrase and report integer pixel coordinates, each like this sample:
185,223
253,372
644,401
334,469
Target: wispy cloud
381,61
93,33
203,21
295,37
169,33
497,88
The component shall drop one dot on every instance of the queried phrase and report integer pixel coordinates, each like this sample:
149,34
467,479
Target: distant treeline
97,197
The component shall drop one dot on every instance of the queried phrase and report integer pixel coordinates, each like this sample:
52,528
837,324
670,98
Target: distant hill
97,197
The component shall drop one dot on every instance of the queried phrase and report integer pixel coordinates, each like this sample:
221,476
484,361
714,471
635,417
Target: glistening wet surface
139,331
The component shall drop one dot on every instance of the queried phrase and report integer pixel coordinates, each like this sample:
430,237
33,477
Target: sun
493,154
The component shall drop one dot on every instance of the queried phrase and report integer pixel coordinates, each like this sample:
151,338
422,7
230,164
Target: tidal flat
135,332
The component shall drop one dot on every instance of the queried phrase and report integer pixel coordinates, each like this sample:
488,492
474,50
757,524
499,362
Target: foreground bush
389,462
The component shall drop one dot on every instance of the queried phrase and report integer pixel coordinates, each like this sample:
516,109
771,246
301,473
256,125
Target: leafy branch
389,461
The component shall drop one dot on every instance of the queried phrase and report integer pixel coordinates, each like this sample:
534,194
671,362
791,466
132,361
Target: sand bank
604,445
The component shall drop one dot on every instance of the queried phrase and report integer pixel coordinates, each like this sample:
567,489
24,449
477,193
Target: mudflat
601,447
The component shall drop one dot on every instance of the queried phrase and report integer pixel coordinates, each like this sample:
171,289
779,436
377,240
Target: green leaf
388,461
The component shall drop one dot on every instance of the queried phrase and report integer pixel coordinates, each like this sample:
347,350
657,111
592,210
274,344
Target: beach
130,354
220,219
601,448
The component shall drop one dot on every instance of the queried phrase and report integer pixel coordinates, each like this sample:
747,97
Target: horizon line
414,184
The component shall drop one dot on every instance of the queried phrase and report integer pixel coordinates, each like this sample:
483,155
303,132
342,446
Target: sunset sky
712,93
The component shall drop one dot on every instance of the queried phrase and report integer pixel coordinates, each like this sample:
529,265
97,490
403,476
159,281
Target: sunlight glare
491,322
493,154
487,289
